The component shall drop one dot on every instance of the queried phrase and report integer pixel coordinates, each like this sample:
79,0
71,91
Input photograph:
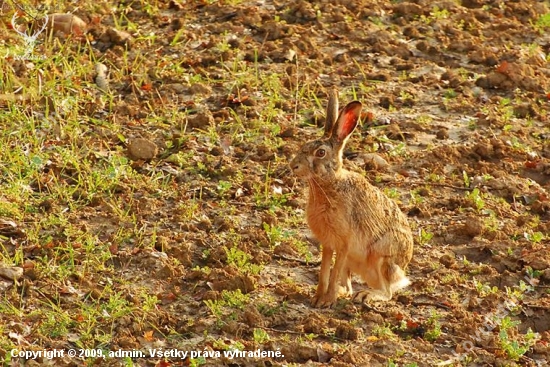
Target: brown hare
349,216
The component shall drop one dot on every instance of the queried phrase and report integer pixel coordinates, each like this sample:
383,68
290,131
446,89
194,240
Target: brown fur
368,232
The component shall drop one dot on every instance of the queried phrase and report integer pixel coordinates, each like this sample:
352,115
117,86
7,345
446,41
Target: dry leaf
503,68
163,363
148,335
147,87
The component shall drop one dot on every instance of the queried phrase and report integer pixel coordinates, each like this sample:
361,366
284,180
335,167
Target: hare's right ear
332,112
346,123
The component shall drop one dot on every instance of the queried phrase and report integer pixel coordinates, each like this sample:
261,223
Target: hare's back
357,192
370,208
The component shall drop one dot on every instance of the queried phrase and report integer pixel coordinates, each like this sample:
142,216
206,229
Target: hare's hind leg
346,289
379,285
383,279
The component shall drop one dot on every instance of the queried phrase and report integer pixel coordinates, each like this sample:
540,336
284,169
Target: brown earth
455,129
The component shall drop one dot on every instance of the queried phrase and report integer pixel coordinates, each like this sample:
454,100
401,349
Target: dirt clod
200,121
245,284
442,134
473,226
118,37
346,332
252,317
447,260
142,149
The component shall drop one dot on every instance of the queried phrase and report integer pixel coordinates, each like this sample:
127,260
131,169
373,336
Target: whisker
312,183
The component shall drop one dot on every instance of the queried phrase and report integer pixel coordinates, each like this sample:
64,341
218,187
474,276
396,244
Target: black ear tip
355,105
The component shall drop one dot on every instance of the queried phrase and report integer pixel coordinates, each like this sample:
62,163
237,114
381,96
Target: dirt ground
207,102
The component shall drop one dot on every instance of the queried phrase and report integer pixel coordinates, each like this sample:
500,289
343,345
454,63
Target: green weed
542,23
434,331
260,336
476,198
515,348
425,237
241,261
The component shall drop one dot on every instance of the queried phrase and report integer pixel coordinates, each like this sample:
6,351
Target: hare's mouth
301,171
303,175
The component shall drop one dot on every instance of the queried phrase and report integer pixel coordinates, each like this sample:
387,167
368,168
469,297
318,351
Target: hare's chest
324,222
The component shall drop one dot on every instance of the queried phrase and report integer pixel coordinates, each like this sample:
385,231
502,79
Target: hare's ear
347,121
332,112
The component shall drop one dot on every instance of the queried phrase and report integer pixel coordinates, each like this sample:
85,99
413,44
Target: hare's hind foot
371,295
381,294
384,294
383,286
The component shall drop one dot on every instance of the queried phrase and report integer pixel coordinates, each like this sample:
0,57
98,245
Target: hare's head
321,159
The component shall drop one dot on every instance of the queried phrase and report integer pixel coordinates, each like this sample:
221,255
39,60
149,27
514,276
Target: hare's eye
320,153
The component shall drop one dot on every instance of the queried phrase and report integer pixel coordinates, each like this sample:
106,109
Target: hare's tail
400,284
399,279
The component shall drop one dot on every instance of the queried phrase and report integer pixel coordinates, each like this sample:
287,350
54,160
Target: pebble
11,272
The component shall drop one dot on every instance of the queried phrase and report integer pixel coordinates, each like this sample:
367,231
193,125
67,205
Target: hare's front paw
370,295
325,300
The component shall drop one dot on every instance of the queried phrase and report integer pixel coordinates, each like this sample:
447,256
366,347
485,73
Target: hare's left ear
347,121
332,112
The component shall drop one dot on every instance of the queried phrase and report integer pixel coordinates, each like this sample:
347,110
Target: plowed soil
454,127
